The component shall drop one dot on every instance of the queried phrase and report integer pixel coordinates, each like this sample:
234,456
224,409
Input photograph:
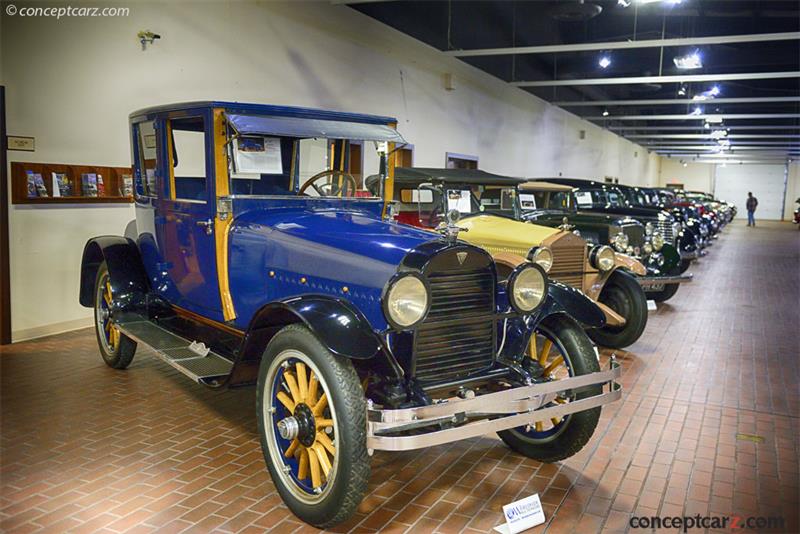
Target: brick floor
89,449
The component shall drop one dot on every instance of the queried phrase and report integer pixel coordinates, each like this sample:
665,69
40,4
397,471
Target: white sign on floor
521,515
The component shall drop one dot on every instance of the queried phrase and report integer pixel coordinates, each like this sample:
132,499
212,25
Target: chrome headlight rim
386,295
657,241
600,259
538,256
620,241
649,228
514,279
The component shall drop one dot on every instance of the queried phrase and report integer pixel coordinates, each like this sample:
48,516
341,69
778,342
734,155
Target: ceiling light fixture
718,134
697,111
604,62
689,61
605,113
682,90
708,125
623,3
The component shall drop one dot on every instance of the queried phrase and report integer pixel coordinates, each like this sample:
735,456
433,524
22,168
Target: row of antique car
420,307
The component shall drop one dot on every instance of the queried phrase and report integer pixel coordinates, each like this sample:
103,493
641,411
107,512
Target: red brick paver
89,449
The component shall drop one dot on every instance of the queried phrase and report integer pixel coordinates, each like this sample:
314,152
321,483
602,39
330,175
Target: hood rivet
302,279
272,274
345,289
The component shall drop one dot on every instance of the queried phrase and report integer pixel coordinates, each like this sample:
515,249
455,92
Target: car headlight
649,228
527,287
620,242
542,256
658,241
406,301
602,258
648,248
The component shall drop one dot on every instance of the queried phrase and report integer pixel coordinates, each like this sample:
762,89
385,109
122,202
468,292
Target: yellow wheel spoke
302,380
555,420
322,456
320,405
324,423
326,442
114,338
538,426
290,450
108,326
365,383
558,360
316,471
532,350
302,470
311,396
545,352
107,293
560,400
286,401
292,383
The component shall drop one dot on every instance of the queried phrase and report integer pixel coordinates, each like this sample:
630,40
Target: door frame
5,261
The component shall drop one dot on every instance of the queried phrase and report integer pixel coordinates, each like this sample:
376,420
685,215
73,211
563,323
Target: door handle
208,224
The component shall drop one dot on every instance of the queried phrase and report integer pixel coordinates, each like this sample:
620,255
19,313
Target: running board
209,369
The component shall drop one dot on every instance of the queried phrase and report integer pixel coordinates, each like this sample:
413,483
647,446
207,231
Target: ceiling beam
738,143
709,136
681,101
733,148
686,117
673,78
618,45
697,127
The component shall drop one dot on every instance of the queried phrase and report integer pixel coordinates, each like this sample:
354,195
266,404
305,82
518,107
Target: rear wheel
116,348
623,294
562,348
312,424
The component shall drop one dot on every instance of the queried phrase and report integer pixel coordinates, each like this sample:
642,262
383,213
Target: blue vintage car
258,258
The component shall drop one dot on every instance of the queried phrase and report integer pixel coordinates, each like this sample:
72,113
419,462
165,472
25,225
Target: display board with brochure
56,183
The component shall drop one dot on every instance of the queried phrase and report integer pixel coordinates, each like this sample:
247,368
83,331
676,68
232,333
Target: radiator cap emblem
462,256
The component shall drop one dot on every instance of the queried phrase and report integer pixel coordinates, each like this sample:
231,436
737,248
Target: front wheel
562,348
312,424
623,294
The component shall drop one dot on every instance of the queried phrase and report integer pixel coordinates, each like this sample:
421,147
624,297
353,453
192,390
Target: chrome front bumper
650,281
689,255
455,419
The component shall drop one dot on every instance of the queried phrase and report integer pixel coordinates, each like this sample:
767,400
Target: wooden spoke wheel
116,348
562,349
312,424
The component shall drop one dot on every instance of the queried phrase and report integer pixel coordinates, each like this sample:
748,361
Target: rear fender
125,269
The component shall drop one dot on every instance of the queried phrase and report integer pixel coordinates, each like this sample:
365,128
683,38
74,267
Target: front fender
562,298
687,243
125,270
342,328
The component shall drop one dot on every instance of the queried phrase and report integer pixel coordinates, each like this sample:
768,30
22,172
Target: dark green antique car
551,204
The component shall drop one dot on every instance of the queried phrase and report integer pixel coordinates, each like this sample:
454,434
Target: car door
187,216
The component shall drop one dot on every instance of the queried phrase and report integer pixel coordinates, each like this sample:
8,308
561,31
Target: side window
189,181
148,159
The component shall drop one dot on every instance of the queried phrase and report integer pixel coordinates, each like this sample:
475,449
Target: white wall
792,191
71,83
694,176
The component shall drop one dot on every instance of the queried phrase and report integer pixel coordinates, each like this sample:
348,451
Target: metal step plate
174,350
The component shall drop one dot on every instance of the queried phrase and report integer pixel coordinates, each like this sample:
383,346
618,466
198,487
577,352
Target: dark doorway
460,161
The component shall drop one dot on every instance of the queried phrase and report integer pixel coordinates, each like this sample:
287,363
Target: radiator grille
635,235
665,227
569,257
458,336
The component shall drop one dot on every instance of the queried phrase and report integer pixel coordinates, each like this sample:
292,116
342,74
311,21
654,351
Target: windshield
313,167
590,198
545,200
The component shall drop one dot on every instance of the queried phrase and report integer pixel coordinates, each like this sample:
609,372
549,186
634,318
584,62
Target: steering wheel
331,187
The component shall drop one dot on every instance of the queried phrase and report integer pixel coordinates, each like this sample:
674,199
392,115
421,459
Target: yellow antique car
489,215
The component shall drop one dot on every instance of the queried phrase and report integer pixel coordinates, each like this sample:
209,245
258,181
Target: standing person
752,204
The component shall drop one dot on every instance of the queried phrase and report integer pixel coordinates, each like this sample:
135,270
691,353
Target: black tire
684,266
623,294
665,294
117,351
568,336
339,496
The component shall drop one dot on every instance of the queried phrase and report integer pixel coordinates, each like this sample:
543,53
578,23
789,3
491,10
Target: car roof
453,176
576,182
268,110
535,185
